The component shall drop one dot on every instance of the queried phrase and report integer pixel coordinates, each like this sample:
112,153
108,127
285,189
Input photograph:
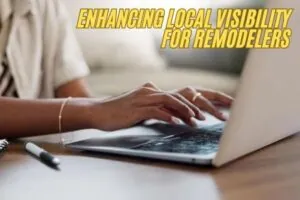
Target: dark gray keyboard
189,140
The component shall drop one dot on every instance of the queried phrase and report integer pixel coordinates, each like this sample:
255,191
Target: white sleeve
69,63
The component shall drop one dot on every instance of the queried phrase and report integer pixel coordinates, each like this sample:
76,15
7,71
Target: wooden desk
272,173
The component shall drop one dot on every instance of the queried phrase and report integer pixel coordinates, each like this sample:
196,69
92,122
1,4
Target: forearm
23,118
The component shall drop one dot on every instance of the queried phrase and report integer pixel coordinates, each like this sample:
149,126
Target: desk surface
271,173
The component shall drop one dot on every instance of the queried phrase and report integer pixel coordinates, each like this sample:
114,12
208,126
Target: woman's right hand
141,104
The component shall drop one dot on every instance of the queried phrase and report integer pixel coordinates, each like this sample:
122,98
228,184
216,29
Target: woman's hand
149,102
138,105
203,99
206,100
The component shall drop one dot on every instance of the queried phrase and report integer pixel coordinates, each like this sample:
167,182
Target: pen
42,154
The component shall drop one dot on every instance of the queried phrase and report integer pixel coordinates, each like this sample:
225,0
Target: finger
151,85
169,102
196,110
216,96
154,112
190,121
206,105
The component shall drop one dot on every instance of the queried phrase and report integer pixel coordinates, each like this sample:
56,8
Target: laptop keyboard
193,141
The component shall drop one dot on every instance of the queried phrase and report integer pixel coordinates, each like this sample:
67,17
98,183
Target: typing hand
202,99
149,102
141,104
206,100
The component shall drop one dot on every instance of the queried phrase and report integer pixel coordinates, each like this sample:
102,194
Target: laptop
266,110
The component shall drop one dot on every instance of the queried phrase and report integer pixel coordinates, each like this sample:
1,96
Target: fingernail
225,118
175,120
201,116
192,113
194,122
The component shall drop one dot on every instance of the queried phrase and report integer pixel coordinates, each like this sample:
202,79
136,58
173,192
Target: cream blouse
41,48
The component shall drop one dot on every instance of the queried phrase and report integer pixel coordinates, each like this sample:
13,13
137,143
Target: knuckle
148,84
144,90
189,89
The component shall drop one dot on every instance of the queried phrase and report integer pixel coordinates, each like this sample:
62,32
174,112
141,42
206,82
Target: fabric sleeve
69,61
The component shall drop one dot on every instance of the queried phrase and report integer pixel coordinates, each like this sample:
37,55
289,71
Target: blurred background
121,60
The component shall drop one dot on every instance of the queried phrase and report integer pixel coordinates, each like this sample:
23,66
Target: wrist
96,114
77,115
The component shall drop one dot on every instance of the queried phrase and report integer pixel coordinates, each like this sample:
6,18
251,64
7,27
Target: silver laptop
266,109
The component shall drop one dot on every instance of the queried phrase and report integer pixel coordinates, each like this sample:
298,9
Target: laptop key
194,141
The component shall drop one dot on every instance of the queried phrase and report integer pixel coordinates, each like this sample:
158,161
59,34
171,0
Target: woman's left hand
204,99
